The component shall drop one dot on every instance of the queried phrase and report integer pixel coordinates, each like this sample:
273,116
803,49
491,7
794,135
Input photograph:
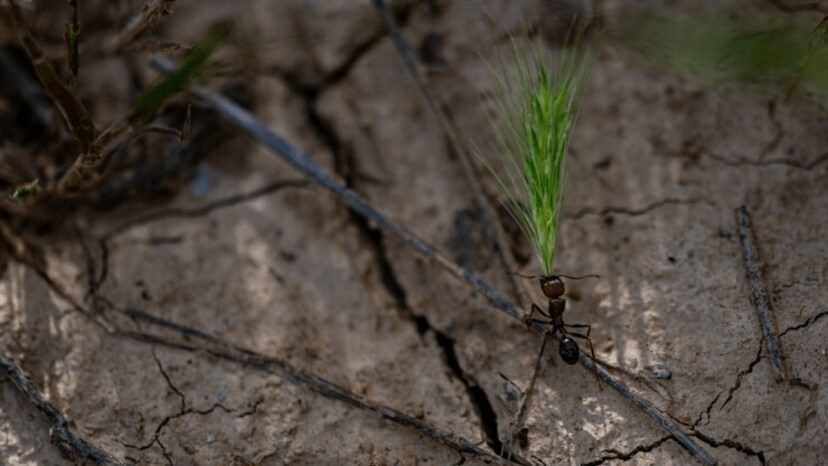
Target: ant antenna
581,277
570,277
527,276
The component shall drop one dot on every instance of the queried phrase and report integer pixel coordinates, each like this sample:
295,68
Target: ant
553,288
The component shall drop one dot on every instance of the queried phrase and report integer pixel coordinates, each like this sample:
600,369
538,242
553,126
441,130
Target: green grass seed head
538,109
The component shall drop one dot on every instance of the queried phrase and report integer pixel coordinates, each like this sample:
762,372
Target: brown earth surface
659,163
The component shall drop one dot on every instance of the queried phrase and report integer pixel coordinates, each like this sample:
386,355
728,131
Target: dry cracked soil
658,164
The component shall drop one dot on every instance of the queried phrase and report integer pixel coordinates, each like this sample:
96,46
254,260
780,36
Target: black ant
553,288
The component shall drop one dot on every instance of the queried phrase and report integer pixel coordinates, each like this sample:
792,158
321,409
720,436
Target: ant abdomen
569,350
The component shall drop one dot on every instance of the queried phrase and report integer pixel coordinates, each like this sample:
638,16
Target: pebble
659,371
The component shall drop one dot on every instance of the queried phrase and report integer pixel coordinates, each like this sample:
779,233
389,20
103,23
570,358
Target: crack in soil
252,409
730,392
798,164
706,413
164,452
318,385
617,455
164,422
779,133
785,286
742,374
181,396
633,212
478,398
811,320
374,238
310,91
760,455
183,411
769,147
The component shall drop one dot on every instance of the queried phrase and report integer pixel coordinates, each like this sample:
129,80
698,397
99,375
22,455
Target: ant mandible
553,288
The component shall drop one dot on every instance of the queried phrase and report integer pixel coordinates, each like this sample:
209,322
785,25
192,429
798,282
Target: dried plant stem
520,415
20,252
151,13
302,162
759,292
75,114
86,169
61,434
71,37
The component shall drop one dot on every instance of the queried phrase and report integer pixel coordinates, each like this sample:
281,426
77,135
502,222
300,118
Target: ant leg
528,319
591,348
520,415
538,460
538,321
587,327
539,310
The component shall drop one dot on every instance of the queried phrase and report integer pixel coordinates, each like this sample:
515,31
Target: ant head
552,286
568,350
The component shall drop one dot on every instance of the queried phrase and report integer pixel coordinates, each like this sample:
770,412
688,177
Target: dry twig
151,13
70,106
76,446
759,294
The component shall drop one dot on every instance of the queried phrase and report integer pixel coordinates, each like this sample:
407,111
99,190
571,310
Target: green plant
96,146
538,110
26,190
753,48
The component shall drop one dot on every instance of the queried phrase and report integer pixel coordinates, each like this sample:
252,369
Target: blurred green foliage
153,98
27,190
760,49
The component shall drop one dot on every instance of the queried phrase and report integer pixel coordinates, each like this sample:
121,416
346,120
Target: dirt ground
659,162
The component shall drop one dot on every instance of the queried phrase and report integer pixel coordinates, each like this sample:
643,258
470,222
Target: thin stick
75,114
71,37
151,14
453,134
21,253
227,351
523,409
302,162
61,434
759,295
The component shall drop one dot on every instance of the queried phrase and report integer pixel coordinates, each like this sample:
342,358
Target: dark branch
61,434
759,295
